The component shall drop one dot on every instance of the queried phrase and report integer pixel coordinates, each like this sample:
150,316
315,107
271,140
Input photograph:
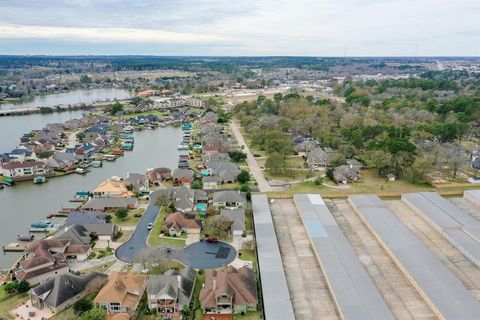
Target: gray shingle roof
176,284
65,286
229,196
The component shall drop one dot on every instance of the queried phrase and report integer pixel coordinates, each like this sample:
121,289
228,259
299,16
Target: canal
70,98
26,203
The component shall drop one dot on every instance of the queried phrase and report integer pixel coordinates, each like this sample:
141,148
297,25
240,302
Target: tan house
229,290
176,223
122,293
112,188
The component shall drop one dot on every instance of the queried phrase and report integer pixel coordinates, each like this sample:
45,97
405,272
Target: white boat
97,163
80,171
183,147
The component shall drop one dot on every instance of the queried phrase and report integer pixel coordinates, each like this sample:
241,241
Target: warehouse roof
446,294
276,297
355,294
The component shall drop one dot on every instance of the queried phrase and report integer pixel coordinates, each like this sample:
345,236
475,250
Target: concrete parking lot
306,283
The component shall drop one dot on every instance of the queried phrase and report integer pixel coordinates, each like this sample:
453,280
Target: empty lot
306,283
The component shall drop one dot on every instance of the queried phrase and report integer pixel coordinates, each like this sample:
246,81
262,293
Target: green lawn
154,238
101,268
10,302
130,220
66,314
250,315
196,293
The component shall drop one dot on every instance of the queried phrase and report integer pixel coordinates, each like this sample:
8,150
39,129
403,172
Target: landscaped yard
9,302
196,293
250,315
130,220
155,239
100,268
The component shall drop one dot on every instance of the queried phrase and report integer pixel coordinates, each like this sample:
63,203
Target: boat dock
19,246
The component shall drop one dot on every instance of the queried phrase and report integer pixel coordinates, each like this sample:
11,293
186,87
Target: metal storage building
354,292
277,303
443,292
453,223
472,195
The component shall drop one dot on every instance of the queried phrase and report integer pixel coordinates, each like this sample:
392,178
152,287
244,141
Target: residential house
476,163
84,217
176,223
229,199
211,182
229,290
318,158
19,170
138,181
305,146
63,291
186,198
237,218
21,154
110,204
343,174
170,292
112,189
159,175
355,165
223,169
44,259
122,293
183,176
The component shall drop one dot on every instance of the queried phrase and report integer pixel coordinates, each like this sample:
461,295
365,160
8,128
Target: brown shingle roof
178,221
27,164
238,283
119,287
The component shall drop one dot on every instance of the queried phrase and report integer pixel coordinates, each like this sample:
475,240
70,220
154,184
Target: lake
13,127
86,96
26,203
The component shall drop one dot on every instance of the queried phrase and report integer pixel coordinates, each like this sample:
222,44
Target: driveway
262,183
138,241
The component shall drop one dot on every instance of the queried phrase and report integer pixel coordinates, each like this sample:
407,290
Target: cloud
130,35
246,27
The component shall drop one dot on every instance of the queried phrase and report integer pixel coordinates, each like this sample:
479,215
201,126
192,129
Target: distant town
248,188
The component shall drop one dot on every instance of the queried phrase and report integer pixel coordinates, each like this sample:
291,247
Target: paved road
262,183
138,241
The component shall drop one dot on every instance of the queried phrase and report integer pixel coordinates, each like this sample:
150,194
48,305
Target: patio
28,312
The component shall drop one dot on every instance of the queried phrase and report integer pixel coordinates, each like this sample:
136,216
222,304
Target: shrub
23,286
121,213
82,305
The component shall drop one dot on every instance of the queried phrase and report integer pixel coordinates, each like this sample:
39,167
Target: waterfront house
84,217
44,260
110,204
170,292
63,291
111,188
183,176
229,290
21,154
229,199
138,181
159,175
176,223
122,293
19,170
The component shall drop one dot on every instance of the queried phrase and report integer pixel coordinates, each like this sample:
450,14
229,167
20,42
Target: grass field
9,302
130,220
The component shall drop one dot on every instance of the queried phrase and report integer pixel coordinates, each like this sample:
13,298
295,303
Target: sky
241,28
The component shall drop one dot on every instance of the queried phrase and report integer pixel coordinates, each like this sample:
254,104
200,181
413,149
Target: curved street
138,241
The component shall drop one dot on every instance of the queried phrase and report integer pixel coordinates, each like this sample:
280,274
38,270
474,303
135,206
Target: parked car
150,225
